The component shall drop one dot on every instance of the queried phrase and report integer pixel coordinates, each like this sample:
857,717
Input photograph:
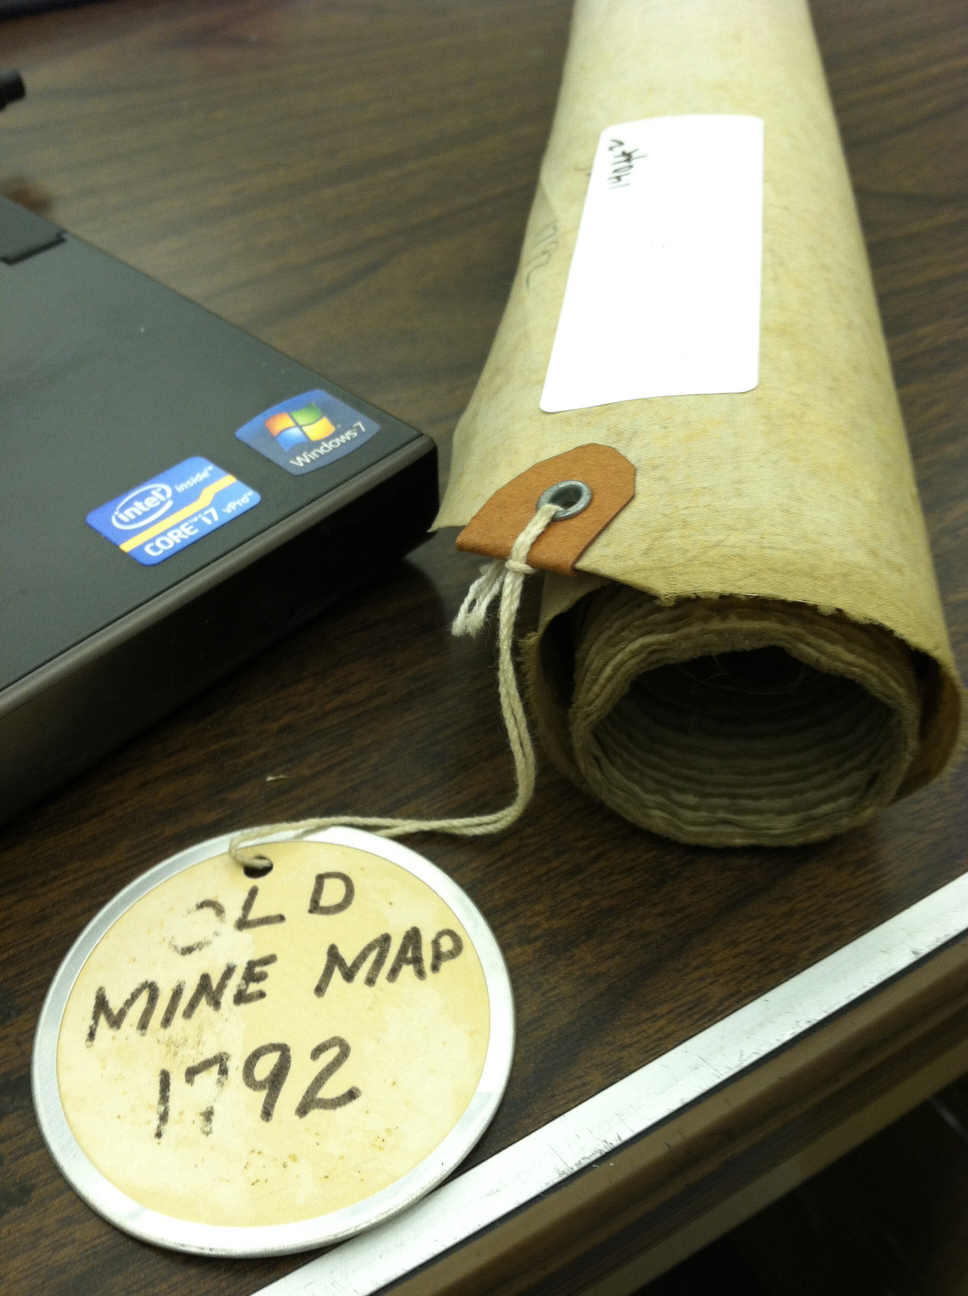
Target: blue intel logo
173,510
141,506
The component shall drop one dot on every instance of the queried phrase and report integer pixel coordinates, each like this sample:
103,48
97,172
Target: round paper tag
245,1065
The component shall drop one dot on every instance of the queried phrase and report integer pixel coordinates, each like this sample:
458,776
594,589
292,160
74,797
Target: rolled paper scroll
753,650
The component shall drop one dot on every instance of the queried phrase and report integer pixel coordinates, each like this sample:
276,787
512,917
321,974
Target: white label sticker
663,294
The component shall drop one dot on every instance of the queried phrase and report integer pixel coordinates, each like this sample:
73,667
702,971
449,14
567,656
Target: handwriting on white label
265,1069
622,163
262,1080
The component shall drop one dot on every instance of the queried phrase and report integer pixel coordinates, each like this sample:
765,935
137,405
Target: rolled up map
753,650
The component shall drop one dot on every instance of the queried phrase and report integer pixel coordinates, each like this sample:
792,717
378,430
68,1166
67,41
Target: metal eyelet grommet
571,497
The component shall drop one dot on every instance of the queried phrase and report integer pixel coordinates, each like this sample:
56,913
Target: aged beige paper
782,521
218,1064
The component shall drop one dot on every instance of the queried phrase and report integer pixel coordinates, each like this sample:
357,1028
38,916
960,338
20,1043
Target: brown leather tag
494,528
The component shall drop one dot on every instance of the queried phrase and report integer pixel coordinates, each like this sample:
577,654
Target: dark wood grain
350,181
891,1216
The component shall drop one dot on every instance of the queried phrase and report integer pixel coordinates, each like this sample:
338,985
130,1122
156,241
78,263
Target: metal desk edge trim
573,1141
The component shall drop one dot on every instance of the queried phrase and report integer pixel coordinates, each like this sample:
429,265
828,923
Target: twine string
499,578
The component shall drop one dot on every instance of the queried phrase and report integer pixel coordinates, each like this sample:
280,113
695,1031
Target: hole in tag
571,498
259,867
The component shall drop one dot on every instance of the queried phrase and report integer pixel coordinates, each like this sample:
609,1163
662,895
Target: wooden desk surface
350,183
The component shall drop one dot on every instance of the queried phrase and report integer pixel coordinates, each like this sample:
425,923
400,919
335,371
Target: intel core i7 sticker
308,431
173,510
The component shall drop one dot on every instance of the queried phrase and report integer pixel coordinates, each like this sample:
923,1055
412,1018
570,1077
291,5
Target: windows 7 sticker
307,432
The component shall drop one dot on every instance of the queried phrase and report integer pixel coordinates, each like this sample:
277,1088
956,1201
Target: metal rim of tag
272,1239
571,498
